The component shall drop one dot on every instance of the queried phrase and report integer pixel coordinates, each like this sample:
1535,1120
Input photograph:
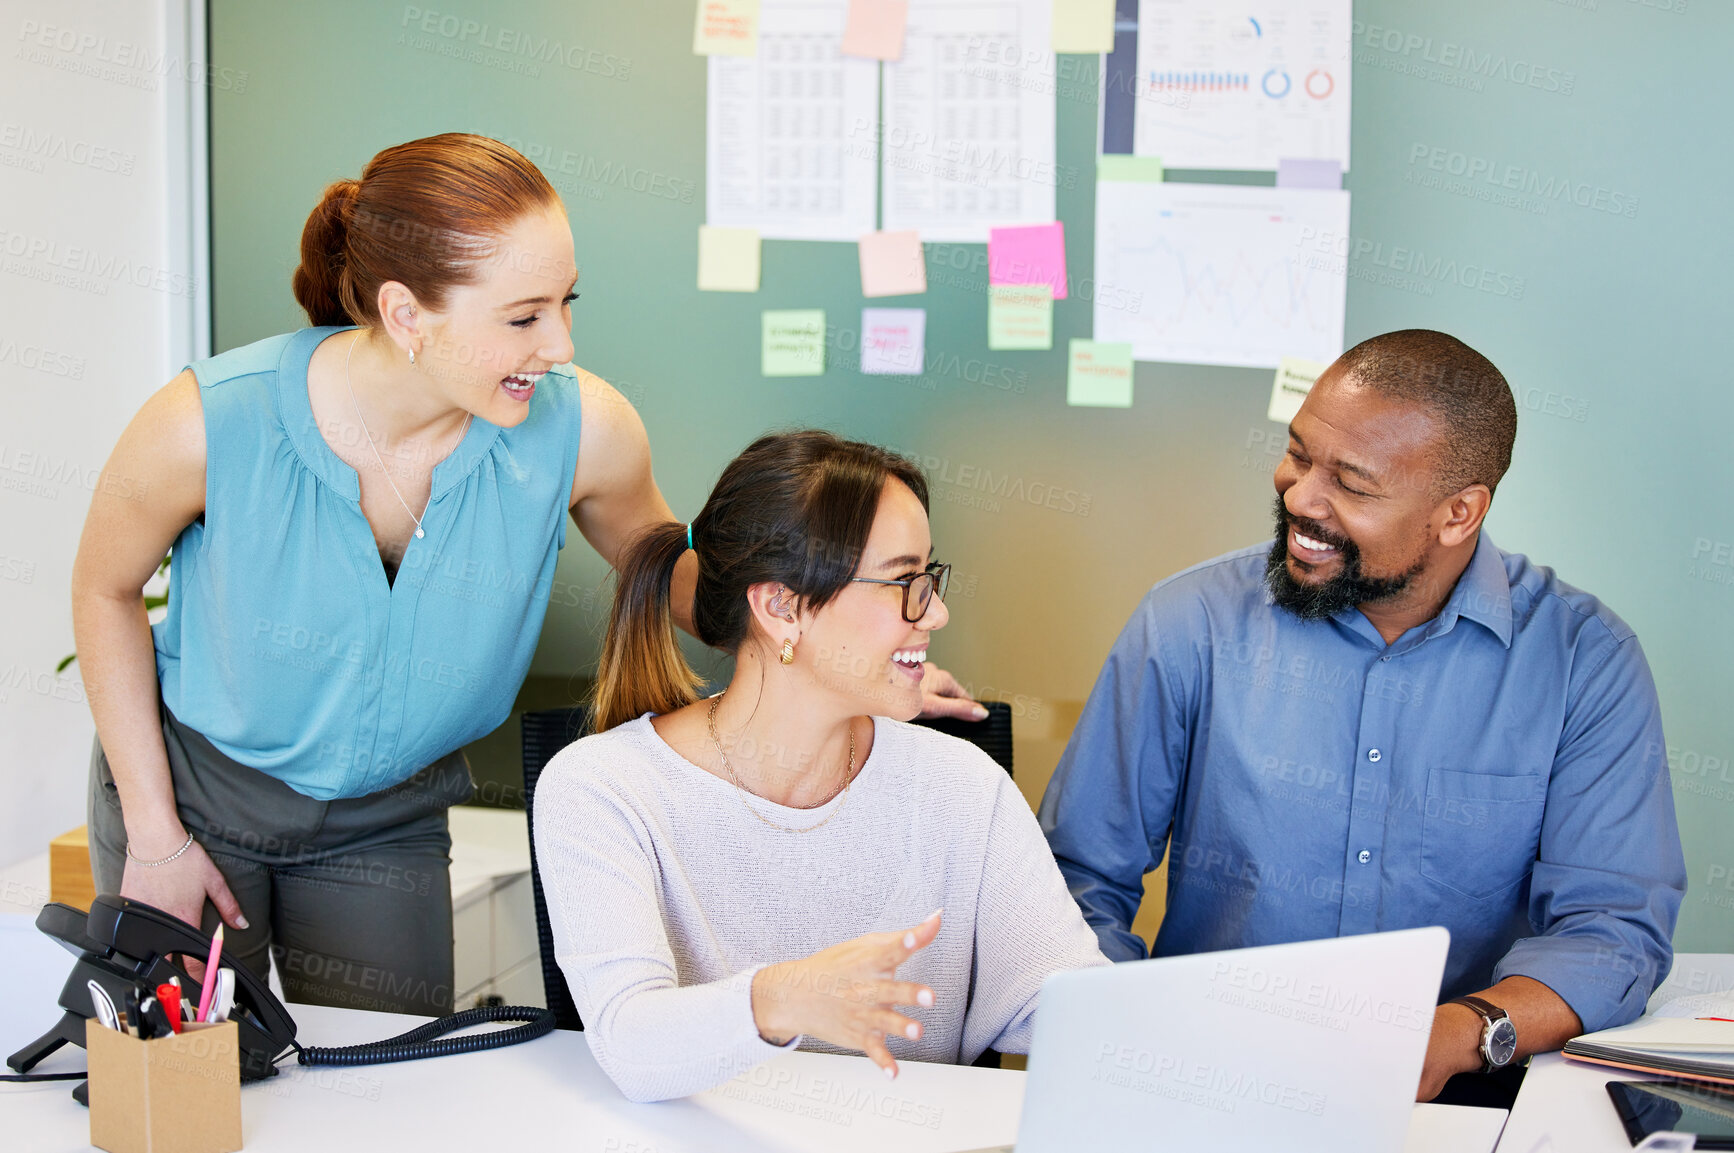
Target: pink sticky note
875,29
1033,255
892,264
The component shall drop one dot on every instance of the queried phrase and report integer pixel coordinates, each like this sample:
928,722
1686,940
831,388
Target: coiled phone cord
418,1042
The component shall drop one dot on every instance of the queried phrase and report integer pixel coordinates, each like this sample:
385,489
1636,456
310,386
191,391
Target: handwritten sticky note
1099,375
893,341
892,264
726,28
1020,316
793,342
1032,255
1129,169
1083,25
728,259
1297,172
1294,379
874,29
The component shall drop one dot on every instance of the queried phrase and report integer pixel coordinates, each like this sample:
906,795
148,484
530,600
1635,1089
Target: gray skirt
352,898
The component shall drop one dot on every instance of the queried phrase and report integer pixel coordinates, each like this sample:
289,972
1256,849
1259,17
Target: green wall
1613,326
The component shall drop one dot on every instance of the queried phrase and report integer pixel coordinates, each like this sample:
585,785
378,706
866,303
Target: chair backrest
549,731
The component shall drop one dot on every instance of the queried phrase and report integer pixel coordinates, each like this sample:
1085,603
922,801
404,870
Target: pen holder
176,1094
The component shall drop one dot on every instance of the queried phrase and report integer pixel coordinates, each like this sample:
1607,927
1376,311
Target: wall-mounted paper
1307,172
875,29
893,340
1031,255
892,264
1222,86
1099,375
1083,25
728,259
1220,274
726,28
1020,317
793,342
1294,379
790,133
1133,169
967,142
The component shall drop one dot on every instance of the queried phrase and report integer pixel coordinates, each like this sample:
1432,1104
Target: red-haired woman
365,517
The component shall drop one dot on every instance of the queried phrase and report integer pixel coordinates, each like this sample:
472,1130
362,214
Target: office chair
550,730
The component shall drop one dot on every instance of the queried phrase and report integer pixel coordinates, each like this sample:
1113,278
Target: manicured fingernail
912,1030
890,1073
925,998
241,923
909,940
980,713
936,912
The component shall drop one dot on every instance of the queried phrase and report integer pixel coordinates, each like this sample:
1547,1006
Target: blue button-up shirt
1498,770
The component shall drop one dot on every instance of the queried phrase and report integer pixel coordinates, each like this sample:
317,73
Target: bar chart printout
789,133
1229,85
1219,274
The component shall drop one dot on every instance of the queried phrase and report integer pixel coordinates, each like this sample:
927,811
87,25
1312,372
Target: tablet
1706,1111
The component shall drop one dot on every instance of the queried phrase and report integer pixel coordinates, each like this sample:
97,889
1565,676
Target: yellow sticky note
728,259
726,28
1083,25
1128,169
793,342
1294,379
892,264
1099,375
1020,316
874,29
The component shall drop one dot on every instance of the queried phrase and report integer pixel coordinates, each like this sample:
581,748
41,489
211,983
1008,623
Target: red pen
1730,1020
169,997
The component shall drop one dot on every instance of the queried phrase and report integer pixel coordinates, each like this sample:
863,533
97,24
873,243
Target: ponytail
318,281
642,668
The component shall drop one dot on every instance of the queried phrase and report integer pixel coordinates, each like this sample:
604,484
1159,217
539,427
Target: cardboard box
179,1094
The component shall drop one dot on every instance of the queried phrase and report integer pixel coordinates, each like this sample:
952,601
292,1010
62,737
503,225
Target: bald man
1383,721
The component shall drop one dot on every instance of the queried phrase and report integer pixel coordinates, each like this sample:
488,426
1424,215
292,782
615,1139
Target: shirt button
1374,755
1364,857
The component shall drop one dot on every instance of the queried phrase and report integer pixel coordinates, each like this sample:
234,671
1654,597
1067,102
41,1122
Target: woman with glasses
789,862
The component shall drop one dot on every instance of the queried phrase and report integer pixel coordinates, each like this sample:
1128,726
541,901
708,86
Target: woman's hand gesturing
845,994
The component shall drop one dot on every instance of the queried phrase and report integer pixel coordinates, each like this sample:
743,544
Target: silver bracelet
164,861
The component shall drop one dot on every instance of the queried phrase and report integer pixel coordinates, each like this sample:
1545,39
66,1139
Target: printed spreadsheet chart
790,132
1229,85
1218,274
968,139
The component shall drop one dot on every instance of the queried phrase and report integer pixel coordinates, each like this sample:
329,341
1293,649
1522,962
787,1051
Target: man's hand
943,696
1454,1047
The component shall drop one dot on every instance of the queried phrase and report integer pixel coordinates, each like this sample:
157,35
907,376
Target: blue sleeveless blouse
284,644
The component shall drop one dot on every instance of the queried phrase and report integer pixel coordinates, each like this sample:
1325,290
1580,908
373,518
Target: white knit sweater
665,897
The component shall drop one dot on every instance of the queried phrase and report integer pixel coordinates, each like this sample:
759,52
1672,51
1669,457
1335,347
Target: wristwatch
1498,1034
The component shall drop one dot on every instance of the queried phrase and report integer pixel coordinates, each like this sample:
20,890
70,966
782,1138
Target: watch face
1500,1043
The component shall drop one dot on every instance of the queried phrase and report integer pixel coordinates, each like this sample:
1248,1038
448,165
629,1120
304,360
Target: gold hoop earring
788,652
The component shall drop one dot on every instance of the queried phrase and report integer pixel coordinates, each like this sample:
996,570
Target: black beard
1350,587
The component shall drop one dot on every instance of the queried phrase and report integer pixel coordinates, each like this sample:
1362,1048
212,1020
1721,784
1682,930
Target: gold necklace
848,777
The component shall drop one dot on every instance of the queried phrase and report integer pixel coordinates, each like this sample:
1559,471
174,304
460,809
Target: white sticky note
1294,379
892,264
1083,25
728,259
893,341
726,28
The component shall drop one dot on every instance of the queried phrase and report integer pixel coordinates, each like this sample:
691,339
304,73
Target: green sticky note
1099,375
1020,316
1129,169
794,342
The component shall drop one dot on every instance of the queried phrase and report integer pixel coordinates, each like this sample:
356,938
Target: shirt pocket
1479,831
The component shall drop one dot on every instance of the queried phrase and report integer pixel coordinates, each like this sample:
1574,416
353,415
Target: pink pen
208,986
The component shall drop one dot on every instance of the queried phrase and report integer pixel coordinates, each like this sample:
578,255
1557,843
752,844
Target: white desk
550,1093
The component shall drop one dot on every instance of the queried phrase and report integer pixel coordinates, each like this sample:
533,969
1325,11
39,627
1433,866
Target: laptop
1312,1046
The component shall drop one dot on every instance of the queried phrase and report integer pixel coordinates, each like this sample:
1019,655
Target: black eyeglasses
918,588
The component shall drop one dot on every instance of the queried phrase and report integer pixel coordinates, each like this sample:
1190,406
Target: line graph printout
1220,274
1241,84
784,152
968,137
